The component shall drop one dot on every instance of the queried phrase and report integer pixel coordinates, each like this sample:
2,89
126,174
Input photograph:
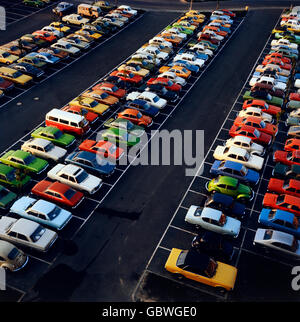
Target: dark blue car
225,203
280,220
235,170
143,106
91,162
193,68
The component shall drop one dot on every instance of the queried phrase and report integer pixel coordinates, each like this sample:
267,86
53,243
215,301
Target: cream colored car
11,258
137,70
75,19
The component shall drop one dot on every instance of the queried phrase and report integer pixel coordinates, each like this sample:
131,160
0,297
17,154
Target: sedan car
150,97
67,47
91,162
246,143
287,157
173,77
213,220
125,125
292,145
136,117
31,59
263,95
26,233
58,192
239,155
294,131
143,106
230,186
42,212
111,89
90,104
127,76
257,123
12,177
235,170
24,161
201,268
44,149
160,91
120,137
167,83
135,69
280,220
263,105
11,258
46,57
284,243
101,97
251,132
256,112
75,177
288,186
6,197
75,19
284,202
89,116
28,69
7,58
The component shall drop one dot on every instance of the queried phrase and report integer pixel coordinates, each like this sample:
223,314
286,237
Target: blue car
280,220
91,162
45,57
225,203
41,211
235,170
193,68
198,55
143,106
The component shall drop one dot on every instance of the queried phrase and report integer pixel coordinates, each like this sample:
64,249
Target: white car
75,19
66,46
277,240
268,80
294,23
284,42
117,16
255,111
128,9
213,220
246,143
75,177
11,258
200,48
175,32
47,57
173,77
155,52
210,33
217,14
113,21
239,155
279,71
44,149
147,58
160,41
27,233
152,98
75,41
53,31
41,211
295,113
192,59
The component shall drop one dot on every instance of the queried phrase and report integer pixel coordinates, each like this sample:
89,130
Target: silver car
11,258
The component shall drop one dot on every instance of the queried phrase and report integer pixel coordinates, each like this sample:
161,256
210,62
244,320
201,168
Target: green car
289,36
120,136
126,125
230,186
293,105
273,100
54,135
6,197
34,3
184,24
23,160
9,176
32,61
181,29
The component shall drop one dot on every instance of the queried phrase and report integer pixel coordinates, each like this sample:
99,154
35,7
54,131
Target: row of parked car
205,261
238,166
72,176
27,58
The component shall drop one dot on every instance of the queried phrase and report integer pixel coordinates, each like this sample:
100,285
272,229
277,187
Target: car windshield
57,134
211,268
49,147
169,83
104,95
69,193
37,234
139,115
262,124
13,254
81,176
54,213
114,88
280,199
5,55
181,258
256,133
112,149
155,99
29,159
93,104
16,74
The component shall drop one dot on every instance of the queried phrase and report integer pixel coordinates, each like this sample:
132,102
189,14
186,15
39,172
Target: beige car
11,258
137,70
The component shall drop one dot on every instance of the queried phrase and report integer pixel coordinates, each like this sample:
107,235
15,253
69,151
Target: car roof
227,180
232,165
40,142
242,138
86,155
25,226
195,259
5,169
5,248
70,169
237,151
43,206
20,154
282,237
211,213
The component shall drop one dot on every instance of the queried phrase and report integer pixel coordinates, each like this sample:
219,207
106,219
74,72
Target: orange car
45,35
180,71
136,117
101,97
226,25
171,38
216,30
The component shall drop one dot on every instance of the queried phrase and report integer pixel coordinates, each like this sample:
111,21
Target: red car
168,84
283,202
45,35
287,157
136,117
292,145
128,77
280,56
58,192
209,38
104,148
269,89
6,85
111,89
257,123
278,62
264,106
252,133
228,12
89,116
294,97
289,187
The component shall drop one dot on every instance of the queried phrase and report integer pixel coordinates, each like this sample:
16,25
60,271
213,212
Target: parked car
283,202
11,258
288,186
6,197
103,148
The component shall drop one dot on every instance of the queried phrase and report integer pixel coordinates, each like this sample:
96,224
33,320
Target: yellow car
89,33
180,71
60,27
201,268
90,104
135,69
7,58
196,13
197,19
14,76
